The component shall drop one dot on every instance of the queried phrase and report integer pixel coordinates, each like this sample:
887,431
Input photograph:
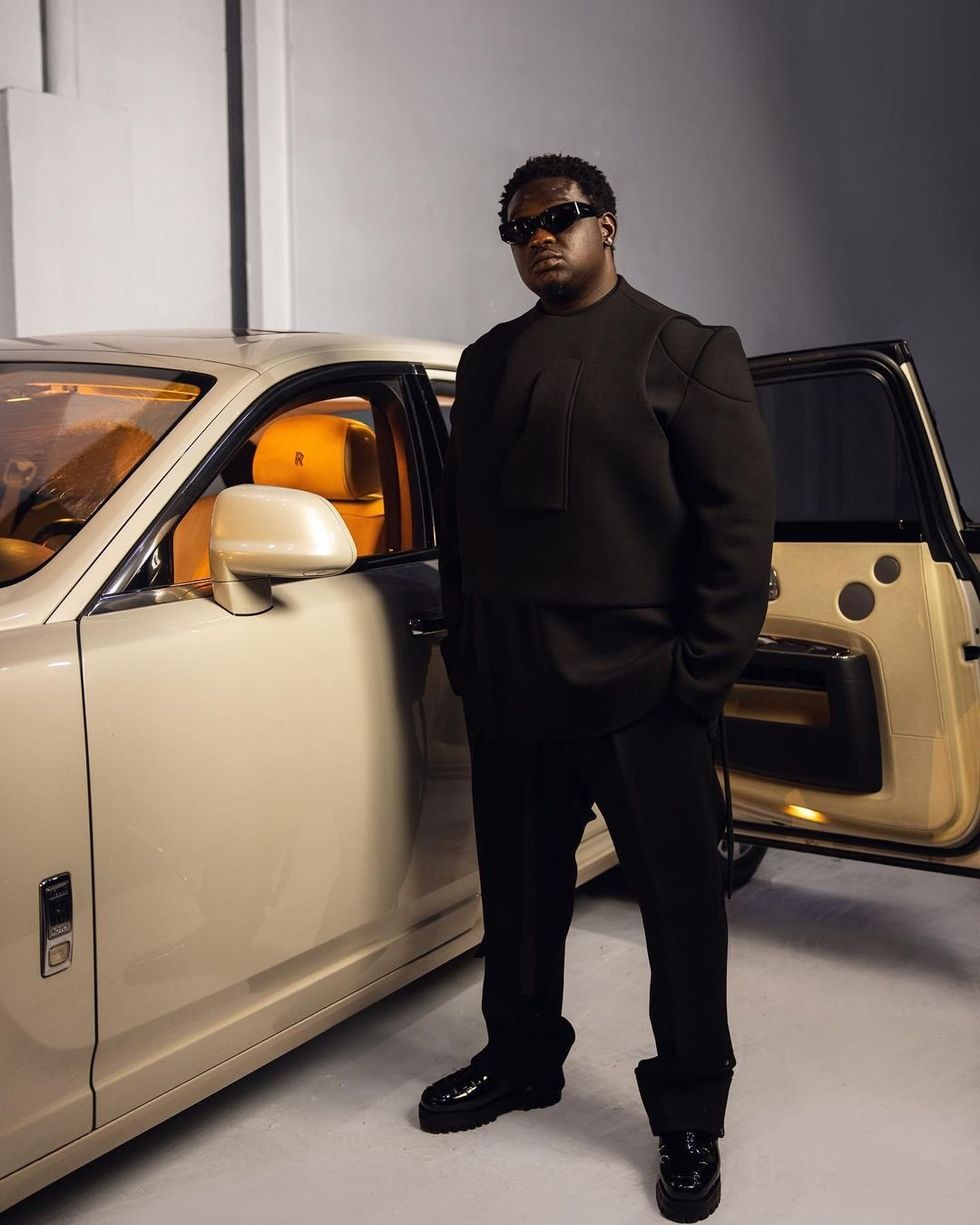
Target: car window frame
118,594
847,529
885,359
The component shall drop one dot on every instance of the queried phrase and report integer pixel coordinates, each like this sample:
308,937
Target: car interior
352,450
69,438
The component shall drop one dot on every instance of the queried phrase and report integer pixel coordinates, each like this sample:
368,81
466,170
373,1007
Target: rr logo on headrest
298,461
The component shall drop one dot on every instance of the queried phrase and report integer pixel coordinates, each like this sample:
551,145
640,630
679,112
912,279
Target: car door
272,832
857,722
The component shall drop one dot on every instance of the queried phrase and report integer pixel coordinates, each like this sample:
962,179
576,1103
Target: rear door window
842,471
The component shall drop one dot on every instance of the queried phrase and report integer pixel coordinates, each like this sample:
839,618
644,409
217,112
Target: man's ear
607,225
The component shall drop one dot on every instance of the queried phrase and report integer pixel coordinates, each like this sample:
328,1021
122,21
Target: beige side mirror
261,532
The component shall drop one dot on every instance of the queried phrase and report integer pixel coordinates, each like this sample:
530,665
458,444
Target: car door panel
807,710
924,698
879,738
272,842
47,1024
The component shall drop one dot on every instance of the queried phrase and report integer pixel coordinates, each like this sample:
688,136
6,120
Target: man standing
605,543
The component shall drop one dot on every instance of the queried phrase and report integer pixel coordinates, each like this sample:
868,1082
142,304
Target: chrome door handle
773,583
428,625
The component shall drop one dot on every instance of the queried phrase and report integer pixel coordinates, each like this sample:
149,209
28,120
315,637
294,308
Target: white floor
855,1015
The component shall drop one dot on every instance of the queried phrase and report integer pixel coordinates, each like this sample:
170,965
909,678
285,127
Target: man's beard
556,291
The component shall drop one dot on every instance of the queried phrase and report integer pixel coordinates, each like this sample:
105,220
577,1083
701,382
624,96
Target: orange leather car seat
335,457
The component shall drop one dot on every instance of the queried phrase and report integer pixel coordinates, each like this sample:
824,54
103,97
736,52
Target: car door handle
430,624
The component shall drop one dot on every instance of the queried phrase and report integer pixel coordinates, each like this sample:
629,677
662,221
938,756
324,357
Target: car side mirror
261,532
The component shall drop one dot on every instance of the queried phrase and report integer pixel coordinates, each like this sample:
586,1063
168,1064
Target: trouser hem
676,1103
522,1065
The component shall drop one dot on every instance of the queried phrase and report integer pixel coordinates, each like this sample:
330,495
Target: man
605,542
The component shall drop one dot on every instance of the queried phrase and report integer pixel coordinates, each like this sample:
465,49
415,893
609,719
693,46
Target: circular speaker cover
856,601
887,569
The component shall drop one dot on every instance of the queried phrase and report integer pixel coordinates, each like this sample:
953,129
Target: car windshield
69,437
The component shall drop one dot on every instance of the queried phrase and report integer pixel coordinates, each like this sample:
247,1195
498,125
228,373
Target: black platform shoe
469,1098
689,1186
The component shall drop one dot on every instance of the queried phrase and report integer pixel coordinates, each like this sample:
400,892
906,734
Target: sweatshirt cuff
702,698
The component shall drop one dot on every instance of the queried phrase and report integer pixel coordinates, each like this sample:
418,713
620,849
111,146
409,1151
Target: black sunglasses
555,219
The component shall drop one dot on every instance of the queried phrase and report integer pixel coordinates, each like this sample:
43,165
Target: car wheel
747,857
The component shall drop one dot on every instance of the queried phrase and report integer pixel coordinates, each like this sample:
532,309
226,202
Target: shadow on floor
836,921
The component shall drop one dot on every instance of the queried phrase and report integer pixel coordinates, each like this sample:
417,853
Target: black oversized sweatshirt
606,518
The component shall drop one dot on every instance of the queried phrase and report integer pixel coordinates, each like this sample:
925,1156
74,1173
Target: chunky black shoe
689,1186
469,1098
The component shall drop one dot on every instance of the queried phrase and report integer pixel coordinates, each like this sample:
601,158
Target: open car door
855,729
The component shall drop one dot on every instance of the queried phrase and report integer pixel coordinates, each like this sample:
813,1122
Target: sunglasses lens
515,231
559,218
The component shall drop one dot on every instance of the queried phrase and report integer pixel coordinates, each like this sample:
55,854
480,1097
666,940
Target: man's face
557,267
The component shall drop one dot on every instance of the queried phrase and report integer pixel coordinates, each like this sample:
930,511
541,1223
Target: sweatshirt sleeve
723,466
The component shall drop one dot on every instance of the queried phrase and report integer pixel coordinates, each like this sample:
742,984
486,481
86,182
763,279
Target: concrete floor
855,1015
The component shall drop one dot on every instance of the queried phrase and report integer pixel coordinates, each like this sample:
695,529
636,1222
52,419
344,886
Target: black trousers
656,786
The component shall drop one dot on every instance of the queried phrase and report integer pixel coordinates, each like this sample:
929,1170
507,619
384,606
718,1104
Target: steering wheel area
58,527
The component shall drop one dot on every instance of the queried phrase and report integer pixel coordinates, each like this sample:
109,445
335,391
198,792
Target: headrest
335,457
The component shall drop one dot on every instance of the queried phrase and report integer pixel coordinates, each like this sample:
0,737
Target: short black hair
591,180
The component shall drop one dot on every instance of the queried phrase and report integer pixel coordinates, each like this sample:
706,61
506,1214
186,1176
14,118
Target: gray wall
805,170
114,181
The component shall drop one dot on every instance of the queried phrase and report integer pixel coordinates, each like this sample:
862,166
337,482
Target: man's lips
541,260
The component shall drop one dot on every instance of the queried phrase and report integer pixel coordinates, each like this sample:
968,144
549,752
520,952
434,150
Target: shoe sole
465,1120
676,1209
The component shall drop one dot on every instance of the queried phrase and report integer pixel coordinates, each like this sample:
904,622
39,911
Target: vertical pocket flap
534,475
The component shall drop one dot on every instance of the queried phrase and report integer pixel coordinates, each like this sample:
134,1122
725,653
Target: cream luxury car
236,789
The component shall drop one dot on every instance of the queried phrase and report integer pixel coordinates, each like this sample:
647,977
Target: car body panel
255,350
931,434
47,1025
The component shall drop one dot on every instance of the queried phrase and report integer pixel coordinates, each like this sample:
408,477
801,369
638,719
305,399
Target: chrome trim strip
150,596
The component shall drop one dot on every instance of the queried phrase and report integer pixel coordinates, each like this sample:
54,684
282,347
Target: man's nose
540,237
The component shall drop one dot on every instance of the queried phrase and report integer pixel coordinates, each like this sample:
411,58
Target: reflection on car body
228,730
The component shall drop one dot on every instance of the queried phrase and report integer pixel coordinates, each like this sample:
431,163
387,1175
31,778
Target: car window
69,436
351,445
841,466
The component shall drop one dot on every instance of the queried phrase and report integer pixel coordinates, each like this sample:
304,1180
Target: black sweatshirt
606,518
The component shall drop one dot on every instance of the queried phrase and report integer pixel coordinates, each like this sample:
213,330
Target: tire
748,856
